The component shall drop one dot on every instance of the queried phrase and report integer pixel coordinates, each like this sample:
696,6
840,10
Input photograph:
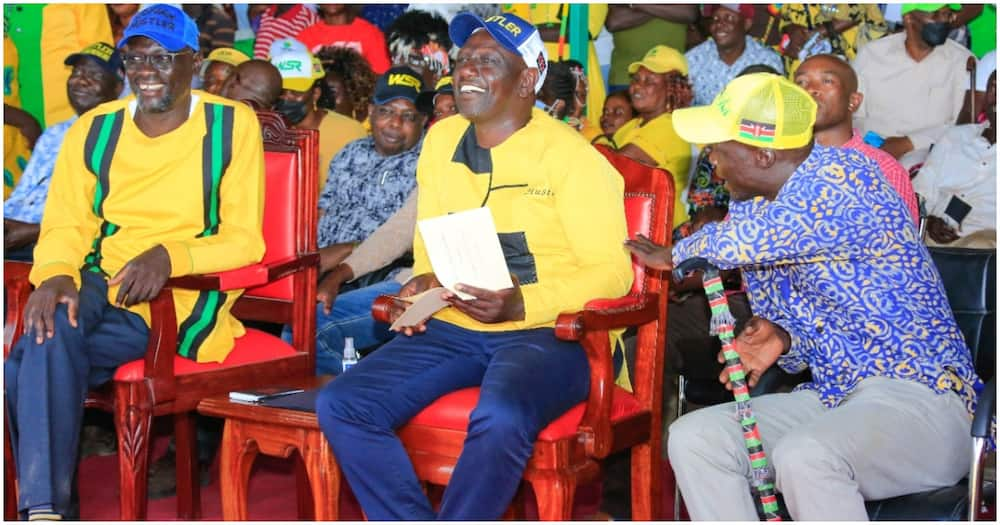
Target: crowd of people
809,145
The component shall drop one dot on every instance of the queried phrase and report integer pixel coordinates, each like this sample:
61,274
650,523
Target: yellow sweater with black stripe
197,190
557,203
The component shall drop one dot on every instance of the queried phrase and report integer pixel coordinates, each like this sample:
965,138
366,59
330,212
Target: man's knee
506,421
698,433
796,458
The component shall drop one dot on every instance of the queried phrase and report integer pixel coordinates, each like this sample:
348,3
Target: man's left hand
143,277
490,306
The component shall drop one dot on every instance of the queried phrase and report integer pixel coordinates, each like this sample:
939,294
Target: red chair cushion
452,411
254,347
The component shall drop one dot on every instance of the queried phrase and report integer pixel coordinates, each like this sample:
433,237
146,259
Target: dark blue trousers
46,385
528,378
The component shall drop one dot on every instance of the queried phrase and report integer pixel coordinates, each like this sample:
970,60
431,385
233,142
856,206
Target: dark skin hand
331,256
490,306
329,287
17,234
649,253
940,231
759,345
39,312
23,121
414,286
897,146
143,277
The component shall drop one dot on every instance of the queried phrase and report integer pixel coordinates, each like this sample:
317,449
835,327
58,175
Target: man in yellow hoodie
558,206
116,226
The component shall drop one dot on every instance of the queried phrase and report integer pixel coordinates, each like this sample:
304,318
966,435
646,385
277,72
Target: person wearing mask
716,61
97,78
340,26
368,181
301,75
218,66
834,86
103,254
564,248
659,87
913,83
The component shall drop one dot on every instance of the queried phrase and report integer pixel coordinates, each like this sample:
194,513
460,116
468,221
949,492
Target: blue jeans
46,384
350,316
528,378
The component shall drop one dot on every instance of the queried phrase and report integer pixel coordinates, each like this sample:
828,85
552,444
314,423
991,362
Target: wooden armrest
607,314
247,276
381,308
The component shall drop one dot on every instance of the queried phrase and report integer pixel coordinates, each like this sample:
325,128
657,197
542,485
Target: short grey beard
160,106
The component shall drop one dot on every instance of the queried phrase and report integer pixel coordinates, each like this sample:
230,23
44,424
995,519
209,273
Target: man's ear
747,24
764,158
526,86
854,101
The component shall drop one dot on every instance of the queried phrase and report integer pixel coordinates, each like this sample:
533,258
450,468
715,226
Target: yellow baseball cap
227,55
299,70
661,59
762,110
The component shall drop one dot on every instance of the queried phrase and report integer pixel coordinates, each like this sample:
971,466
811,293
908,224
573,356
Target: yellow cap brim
702,125
297,84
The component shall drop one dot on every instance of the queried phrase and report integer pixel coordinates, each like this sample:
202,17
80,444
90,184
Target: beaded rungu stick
723,325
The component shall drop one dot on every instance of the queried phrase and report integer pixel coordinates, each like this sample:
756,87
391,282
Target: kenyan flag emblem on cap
758,131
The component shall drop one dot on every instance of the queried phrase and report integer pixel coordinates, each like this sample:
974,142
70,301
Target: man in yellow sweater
163,184
559,209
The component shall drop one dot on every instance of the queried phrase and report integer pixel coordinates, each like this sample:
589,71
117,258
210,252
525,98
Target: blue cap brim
464,24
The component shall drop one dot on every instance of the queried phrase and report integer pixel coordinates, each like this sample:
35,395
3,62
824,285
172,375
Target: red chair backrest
648,190
290,160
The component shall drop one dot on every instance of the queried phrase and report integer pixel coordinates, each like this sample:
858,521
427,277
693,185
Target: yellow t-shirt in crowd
116,193
658,139
335,131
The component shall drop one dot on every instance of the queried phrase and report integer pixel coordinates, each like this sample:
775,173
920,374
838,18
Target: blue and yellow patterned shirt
836,261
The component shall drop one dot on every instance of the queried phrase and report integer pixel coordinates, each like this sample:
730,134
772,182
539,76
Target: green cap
930,8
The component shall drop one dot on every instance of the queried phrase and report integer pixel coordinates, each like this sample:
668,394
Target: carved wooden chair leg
554,493
325,476
238,454
303,490
188,479
133,421
646,482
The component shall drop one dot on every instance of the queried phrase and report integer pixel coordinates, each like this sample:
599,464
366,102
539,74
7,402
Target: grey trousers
889,437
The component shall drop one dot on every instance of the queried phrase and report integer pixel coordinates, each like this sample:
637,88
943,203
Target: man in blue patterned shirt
369,180
839,283
96,78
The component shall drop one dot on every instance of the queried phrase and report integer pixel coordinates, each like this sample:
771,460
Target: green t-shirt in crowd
631,45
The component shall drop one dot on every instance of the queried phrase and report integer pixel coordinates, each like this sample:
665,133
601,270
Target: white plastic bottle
350,354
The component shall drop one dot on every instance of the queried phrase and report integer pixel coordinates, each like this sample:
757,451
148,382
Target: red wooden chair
279,289
569,451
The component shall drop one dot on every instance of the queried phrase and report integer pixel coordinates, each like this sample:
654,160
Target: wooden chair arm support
381,308
247,276
162,346
17,288
607,314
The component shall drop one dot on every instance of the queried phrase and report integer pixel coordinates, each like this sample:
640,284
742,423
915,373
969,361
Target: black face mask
935,33
295,112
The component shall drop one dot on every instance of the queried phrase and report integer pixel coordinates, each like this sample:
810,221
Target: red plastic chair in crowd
279,289
569,451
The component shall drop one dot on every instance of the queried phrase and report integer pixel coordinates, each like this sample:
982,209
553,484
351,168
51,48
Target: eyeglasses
386,113
162,61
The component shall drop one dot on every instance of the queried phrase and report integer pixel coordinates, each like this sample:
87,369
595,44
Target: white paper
463,247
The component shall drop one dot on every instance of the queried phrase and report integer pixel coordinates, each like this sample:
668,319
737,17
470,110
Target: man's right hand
39,312
414,286
759,345
940,231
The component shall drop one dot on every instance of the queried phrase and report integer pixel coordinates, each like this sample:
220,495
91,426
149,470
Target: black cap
398,82
105,55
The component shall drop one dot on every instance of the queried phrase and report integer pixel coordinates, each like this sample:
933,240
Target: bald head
836,66
257,81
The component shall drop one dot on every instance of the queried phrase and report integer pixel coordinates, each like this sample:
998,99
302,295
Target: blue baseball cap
514,33
167,25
